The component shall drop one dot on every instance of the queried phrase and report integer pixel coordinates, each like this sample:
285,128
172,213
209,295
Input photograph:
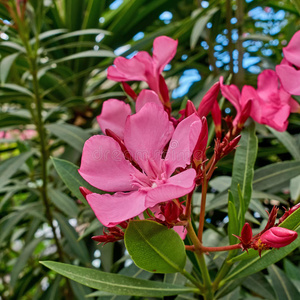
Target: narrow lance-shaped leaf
275,174
283,286
10,166
78,248
243,166
6,64
72,135
233,225
155,248
288,141
115,283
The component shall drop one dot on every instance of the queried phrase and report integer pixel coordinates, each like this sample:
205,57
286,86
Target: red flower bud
277,237
246,237
129,91
272,218
171,210
190,109
114,234
164,92
231,145
288,213
208,101
200,148
84,191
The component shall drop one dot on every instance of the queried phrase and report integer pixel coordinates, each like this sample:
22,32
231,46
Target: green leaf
78,33
288,141
63,202
68,172
17,88
283,287
78,248
155,248
200,26
22,260
243,166
6,64
115,283
10,166
72,135
295,188
258,284
93,226
85,54
233,224
132,271
275,174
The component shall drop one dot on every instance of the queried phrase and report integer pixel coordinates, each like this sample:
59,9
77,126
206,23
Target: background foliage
53,83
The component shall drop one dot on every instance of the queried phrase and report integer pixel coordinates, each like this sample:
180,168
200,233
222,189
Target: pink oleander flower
269,104
148,179
143,67
115,112
289,69
240,101
23,135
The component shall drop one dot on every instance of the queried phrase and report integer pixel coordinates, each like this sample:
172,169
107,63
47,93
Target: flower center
153,175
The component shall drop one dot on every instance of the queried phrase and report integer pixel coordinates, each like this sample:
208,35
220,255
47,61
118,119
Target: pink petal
175,187
113,116
292,51
232,94
147,96
267,84
164,49
181,230
103,165
289,78
208,101
126,70
111,210
254,108
147,133
278,118
183,143
295,106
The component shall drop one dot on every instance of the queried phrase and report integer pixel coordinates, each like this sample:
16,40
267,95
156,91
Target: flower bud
171,210
200,148
84,191
129,91
277,237
246,237
272,218
190,109
288,213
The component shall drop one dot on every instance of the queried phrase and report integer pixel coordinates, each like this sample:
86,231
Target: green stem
38,119
192,279
202,208
223,270
208,292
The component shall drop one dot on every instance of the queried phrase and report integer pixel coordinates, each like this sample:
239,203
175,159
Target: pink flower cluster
148,160
271,103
